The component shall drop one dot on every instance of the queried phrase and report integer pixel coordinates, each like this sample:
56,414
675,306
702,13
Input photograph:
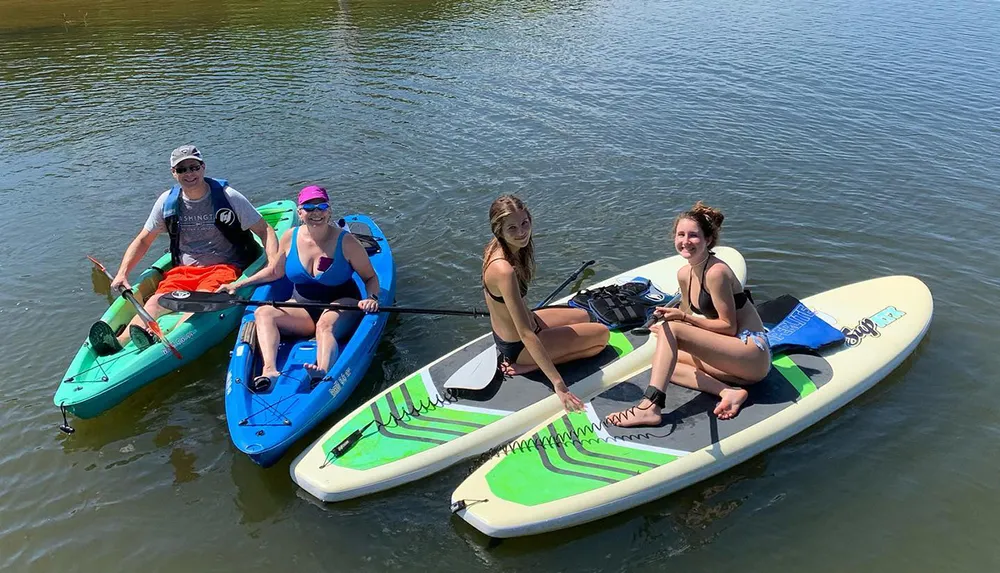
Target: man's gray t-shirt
201,242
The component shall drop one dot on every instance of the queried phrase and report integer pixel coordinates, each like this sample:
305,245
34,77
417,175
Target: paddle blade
155,329
99,265
475,374
190,301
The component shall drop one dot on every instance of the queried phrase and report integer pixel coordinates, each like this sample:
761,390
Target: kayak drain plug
65,427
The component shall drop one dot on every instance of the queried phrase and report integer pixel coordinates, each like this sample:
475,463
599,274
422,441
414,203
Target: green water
842,140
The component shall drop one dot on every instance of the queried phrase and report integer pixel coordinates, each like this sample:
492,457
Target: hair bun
711,214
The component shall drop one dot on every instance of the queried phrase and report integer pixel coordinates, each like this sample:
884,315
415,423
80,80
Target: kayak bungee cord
267,406
101,365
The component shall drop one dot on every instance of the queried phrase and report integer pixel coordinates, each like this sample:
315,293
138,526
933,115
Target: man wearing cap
209,224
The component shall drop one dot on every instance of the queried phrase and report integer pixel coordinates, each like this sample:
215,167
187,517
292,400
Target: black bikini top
520,285
705,298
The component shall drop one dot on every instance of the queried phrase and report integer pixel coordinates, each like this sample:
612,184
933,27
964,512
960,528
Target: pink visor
313,192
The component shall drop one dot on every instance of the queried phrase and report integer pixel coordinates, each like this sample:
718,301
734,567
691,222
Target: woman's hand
230,288
669,313
568,399
368,305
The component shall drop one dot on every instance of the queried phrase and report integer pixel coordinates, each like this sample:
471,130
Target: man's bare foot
517,369
729,405
645,413
315,372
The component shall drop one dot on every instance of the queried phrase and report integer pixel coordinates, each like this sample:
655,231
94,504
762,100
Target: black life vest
226,221
620,307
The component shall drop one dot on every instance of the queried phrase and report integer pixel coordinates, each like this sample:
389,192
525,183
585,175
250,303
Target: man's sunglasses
183,170
310,207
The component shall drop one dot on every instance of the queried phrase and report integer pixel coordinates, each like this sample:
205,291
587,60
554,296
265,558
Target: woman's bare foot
516,369
729,405
645,413
264,382
315,372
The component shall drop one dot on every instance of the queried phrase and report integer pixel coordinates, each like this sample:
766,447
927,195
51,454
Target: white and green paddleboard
571,469
443,413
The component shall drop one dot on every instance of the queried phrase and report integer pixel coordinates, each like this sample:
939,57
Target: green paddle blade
193,301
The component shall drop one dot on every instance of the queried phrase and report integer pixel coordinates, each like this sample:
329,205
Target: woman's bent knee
327,321
603,335
265,313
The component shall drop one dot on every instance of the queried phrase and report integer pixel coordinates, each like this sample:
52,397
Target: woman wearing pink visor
319,259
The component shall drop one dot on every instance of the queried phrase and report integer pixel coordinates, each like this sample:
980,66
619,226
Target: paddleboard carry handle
65,427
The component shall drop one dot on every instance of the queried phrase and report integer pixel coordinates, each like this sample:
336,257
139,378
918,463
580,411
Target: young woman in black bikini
723,341
530,340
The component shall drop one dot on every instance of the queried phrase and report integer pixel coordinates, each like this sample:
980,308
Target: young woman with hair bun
715,342
530,340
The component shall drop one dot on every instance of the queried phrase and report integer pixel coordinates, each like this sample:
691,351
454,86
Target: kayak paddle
151,323
197,301
644,329
559,288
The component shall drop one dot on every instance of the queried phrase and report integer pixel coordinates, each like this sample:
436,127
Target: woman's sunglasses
183,170
310,207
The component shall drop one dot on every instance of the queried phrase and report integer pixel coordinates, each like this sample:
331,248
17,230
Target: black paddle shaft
559,288
186,301
644,329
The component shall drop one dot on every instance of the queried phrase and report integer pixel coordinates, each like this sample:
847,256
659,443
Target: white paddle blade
477,373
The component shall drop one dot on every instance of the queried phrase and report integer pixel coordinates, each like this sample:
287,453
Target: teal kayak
93,384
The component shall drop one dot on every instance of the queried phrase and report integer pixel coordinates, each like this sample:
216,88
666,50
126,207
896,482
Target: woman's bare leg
330,324
271,323
564,344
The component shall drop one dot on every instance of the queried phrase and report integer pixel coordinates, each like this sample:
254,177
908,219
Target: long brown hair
524,261
709,220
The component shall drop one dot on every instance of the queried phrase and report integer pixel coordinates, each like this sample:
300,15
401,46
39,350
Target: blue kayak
264,425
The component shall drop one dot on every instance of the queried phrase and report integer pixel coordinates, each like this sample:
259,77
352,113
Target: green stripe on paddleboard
553,472
795,376
434,426
620,343
557,467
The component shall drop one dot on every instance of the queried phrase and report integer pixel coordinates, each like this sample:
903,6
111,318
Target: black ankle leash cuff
655,396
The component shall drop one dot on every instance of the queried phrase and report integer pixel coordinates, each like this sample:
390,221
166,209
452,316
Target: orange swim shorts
197,278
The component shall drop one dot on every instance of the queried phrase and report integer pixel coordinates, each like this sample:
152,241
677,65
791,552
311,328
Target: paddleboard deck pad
575,468
419,426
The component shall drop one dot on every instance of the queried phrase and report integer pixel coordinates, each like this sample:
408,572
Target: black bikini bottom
511,350
330,294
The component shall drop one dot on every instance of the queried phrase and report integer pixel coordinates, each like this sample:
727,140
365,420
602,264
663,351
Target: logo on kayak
225,216
180,340
180,294
870,326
